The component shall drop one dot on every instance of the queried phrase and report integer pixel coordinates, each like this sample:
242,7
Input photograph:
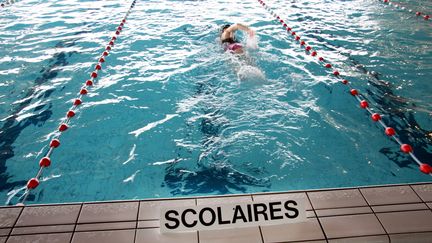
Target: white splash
131,155
52,176
152,125
187,171
13,194
132,177
250,73
252,42
167,162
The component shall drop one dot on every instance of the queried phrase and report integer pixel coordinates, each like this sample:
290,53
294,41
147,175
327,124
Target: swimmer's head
224,27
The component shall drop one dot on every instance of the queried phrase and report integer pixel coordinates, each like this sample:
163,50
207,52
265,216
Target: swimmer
228,39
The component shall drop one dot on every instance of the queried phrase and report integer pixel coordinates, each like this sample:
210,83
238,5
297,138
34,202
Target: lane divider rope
7,3
64,125
401,6
364,104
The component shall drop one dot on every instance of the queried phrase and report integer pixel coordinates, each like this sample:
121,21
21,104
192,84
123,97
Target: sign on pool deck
233,215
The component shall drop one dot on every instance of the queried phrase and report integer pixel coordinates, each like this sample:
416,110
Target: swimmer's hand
251,33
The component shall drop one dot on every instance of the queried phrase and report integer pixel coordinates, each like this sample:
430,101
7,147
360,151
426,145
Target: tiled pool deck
398,213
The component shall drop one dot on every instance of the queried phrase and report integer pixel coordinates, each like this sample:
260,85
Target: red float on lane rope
55,143
77,102
32,183
89,83
364,104
425,168
63,127
376,117
45,162
406,148
354,92
390,131
70,114
83,91
328,65
94,75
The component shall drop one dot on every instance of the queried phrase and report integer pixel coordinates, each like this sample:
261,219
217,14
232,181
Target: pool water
173,115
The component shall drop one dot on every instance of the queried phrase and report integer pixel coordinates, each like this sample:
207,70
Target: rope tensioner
64,125
417,13
364,104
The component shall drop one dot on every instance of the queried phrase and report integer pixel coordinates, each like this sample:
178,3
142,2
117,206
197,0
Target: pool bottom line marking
64,125
364,104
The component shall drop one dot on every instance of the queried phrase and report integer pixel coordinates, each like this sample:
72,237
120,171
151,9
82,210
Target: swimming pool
169,115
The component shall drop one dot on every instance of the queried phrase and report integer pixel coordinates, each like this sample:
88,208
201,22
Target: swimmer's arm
242,27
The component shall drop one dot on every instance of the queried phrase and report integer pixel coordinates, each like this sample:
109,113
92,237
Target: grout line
139,220
86,223
417,232
136,223
341,215
299,241
259,227
151,227
319,221
376,216
198,236
84,231
414,210
421,199
353,237
76,222
368,205
14,224
390,211
403,233
97,230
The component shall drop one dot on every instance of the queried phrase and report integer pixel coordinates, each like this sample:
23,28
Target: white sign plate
233,215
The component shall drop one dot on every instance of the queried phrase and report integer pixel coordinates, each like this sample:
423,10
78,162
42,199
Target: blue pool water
172,115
